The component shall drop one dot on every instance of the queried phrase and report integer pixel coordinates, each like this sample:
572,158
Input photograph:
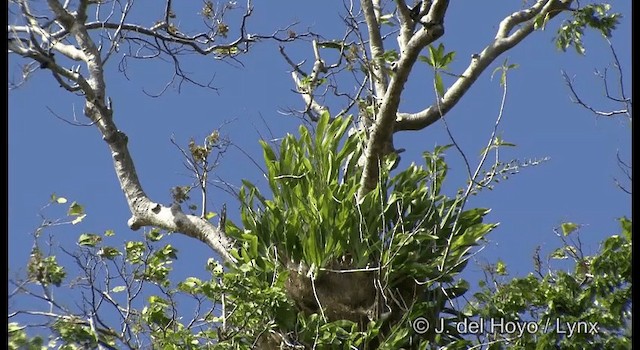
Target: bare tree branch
68,32
622,99
376,46
38,41
307,87
578,100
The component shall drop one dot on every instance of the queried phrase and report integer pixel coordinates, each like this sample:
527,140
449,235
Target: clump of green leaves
595,292
595,16
439,61
18,338
45,269
311,206
419,238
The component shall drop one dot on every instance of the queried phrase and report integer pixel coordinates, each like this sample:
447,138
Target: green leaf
448,58
437,58
573,251
253,244
269,155
439,85
45,271
154,235
540,21
210,215
89,239
559,254
134,252
458,290
433,59
169,251
118,289
218,270
501,268
109,252
626,228
190,285
568,228
335,44
109,233
439,150
322,126
75,209
390,56
55,199
425,59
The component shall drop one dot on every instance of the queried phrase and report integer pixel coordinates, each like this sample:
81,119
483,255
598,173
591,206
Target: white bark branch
376,46
407,25
502,42
389,120
380,141
144,211
312,106
98,109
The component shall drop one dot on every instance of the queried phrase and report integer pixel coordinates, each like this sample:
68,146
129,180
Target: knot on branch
116,137
133,223
436,28
178,216
319,67
223,219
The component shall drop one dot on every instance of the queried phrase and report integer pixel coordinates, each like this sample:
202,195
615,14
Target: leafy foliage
300,255
18,338
320,267
440,62
406,234
596,16
588,307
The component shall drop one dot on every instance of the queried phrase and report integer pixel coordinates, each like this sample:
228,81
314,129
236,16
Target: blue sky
47,155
